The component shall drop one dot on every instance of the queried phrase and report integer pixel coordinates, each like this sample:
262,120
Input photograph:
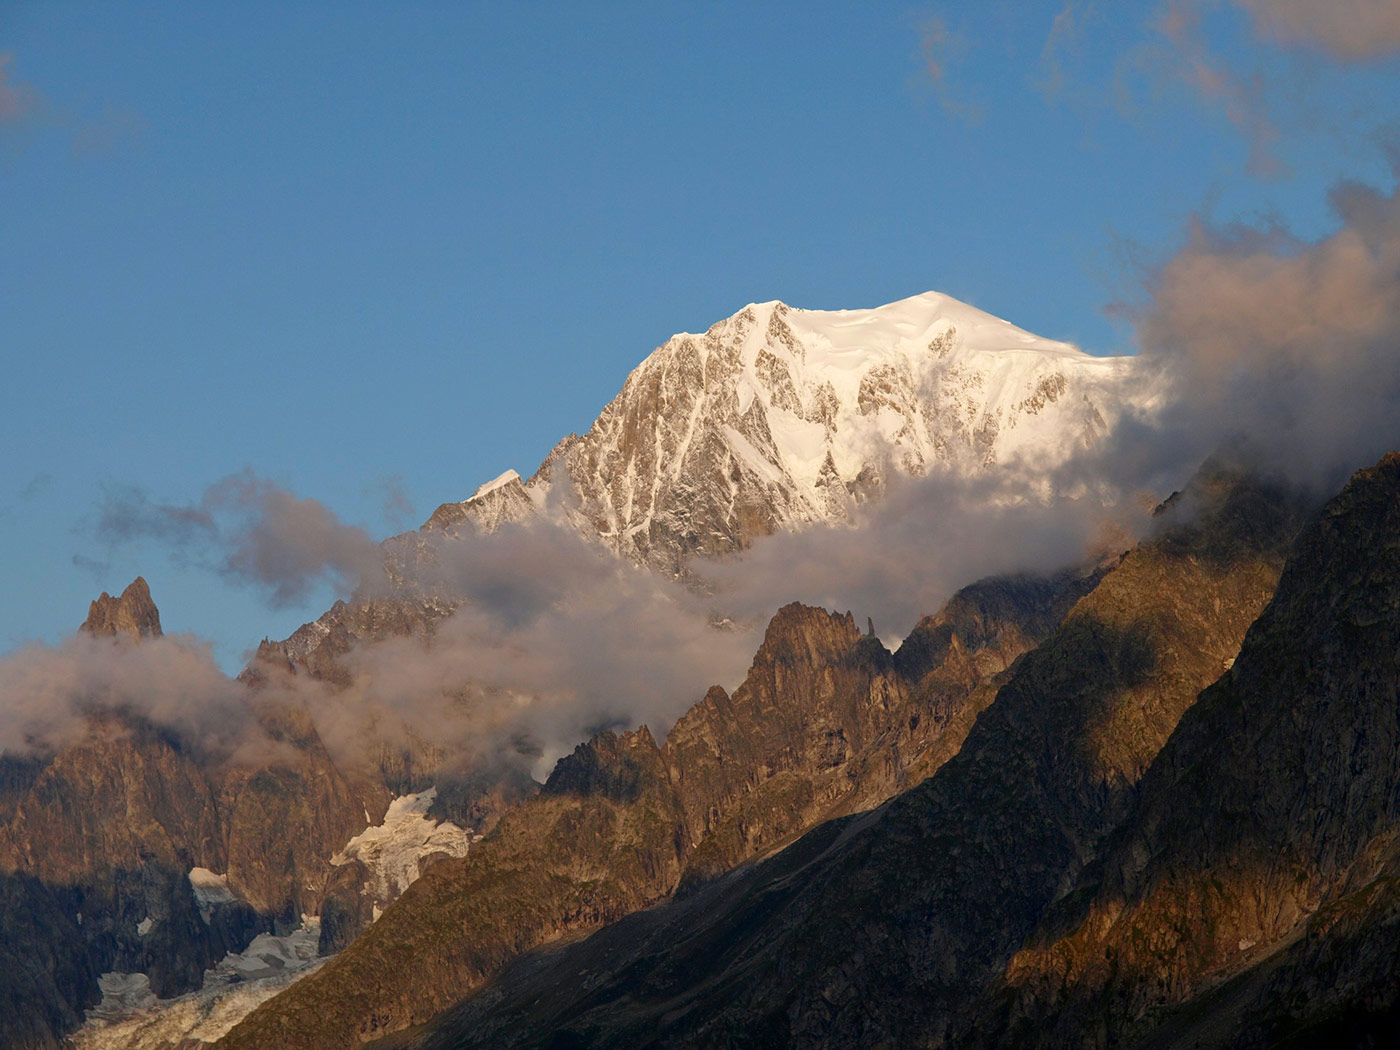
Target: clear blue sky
343,244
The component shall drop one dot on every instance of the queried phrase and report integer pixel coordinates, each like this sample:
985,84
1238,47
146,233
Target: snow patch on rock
392,850
130,1017
210,890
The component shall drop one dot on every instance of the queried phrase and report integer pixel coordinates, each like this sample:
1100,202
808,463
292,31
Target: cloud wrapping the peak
172,681
1292,345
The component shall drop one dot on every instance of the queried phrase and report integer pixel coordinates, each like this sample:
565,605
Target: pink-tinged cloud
940,48
1292,344
18,101
1240,98
1347,30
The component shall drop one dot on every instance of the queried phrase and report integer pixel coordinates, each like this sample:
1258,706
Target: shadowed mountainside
1266,842
98,838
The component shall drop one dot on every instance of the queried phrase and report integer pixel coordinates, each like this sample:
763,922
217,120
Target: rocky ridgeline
826,722
1250,898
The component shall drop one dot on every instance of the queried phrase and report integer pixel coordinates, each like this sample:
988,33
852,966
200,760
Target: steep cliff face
47,977
825,722
778,418
1267,837
113,825
880,929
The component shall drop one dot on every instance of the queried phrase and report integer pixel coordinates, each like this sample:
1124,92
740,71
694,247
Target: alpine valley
1148,796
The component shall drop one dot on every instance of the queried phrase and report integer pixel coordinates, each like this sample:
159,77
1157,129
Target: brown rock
133,615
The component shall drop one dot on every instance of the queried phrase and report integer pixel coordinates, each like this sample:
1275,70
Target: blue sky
368,250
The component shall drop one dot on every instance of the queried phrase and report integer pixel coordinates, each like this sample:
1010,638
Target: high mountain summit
779,418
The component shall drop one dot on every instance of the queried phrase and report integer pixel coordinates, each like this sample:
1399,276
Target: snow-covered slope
392,851
130,1017
778,418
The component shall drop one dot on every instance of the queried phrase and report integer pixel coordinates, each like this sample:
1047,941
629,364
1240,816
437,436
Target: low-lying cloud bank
173,681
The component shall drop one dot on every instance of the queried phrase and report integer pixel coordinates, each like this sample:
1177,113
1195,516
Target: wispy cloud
942,50
252,531
107,131
398,508
19,102
1062,47
1241,98
1346,30
25,110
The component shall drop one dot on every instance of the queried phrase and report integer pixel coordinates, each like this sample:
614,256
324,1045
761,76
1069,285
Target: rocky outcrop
47,977
825,722
881,929
133,615
1266,841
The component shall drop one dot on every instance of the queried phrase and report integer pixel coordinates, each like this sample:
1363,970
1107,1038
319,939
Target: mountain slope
877,931
1267,836
103,834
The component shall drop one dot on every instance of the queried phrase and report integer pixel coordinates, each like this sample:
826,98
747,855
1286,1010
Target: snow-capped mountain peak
779,417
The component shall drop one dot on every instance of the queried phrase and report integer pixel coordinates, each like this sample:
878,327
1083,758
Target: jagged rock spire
134,615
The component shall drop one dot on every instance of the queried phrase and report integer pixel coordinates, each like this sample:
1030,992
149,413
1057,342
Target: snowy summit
778,418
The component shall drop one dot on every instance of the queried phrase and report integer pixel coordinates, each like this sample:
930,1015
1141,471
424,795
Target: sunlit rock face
134,615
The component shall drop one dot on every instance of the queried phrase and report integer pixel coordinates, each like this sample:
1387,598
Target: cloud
1293,345
105,133
254,532
1346,30
94,567
906,555
554,638
1062,44
942,49
23,108
50,691
35,487
19,102
1241,98
398,509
